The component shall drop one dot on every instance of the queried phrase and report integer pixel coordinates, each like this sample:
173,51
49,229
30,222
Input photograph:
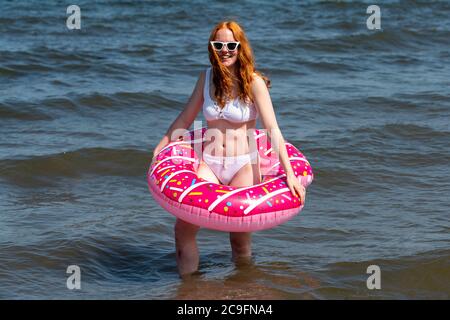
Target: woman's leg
186,247
241,242
185,234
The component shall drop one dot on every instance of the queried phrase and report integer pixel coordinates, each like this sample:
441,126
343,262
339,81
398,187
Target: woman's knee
185,230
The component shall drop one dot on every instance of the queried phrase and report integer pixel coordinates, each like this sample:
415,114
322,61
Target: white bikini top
234,111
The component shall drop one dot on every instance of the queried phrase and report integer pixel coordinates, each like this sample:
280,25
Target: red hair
222,77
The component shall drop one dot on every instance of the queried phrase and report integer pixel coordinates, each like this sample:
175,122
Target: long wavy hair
245,63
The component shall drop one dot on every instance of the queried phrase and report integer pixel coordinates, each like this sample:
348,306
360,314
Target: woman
232,95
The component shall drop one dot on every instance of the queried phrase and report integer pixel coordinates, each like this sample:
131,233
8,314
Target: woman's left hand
297,189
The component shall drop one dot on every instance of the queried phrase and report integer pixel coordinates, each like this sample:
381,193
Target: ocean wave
29,68
405,131
121,100
362,41
425,96
337,178
102,257
48,170
46,55
9,72
77,103
44,59
58,55
421,276
390,104
331,67
141,50
392,144
401,60
8,111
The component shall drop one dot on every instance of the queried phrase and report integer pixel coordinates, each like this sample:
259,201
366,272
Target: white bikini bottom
226,167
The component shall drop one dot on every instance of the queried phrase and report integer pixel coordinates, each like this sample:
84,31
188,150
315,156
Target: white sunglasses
231,46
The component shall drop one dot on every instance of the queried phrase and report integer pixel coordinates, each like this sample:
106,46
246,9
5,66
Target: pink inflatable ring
173,182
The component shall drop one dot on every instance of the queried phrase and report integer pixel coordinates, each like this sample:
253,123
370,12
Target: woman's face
228,58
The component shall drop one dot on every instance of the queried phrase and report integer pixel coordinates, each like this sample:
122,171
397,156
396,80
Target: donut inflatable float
174,184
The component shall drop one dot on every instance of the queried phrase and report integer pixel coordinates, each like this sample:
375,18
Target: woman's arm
265,108
186,117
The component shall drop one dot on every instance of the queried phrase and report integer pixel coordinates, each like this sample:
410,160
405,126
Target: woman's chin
228,64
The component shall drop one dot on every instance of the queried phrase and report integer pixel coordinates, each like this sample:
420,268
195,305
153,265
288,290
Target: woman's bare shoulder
257,80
